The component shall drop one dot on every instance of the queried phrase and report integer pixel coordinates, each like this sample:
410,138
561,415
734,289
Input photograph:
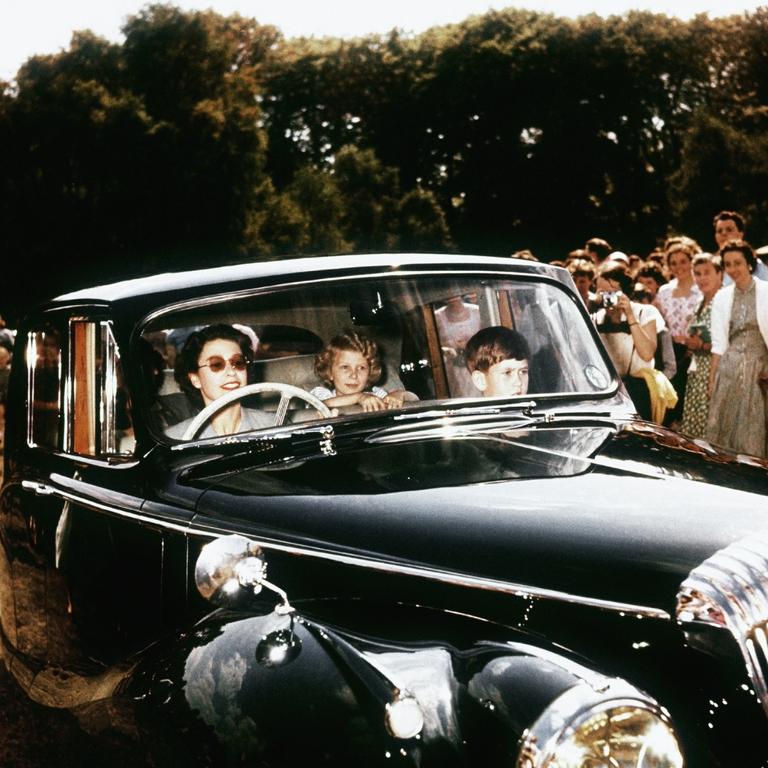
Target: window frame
89,375
94,362
33,384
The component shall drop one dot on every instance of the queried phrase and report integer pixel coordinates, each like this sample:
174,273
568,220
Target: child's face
349,372
506,378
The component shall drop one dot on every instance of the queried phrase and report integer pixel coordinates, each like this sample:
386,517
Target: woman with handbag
708,273
629,332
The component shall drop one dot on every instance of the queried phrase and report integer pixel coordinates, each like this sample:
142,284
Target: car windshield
337,348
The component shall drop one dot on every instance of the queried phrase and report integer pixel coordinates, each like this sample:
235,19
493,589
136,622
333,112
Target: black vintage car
457,574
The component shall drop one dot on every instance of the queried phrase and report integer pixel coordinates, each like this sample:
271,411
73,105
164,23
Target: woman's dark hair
187,360
618,271
744,248
736,218
652,270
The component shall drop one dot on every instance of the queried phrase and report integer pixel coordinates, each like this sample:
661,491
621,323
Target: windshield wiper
525,406
453,424
280,442
249,449
554,414
468,421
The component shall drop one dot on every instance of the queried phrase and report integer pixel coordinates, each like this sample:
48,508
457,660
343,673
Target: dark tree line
204,138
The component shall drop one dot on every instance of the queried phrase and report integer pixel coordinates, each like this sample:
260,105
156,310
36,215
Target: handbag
660,392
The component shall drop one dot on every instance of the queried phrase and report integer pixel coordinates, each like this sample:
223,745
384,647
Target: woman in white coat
739,371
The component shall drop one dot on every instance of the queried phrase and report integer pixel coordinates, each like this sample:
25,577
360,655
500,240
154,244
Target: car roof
215,277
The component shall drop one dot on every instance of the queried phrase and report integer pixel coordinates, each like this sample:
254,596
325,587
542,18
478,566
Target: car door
86,575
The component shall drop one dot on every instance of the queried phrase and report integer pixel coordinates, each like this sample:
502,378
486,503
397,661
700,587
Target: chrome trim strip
42,489
410,271
30,356
444,577
452,577
730,590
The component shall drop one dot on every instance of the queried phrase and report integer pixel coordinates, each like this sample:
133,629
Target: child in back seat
497,359
350,366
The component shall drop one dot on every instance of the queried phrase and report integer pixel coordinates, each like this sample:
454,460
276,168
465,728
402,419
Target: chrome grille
730,590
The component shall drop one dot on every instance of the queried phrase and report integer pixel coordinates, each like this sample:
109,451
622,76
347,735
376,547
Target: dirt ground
32,736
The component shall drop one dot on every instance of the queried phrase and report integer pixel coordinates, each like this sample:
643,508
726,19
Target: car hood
603,511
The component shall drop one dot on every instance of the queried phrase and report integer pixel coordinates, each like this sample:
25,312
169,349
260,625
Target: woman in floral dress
677,301
708,273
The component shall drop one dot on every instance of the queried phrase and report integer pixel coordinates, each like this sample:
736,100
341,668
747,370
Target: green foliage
723,168
278,227
371,191
213,138
422,224
318,196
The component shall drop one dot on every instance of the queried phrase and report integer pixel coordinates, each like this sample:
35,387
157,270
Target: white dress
323,393
618,338
454,335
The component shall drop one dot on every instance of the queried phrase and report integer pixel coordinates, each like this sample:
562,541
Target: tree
213,138
371,192
422,225
137,151
723,168
318,196
197,74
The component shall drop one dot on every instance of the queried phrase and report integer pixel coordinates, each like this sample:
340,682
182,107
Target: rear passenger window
45,388
101,423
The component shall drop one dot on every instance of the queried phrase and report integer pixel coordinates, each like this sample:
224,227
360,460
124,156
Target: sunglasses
217,364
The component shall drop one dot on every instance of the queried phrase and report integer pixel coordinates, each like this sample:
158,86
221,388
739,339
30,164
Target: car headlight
617,727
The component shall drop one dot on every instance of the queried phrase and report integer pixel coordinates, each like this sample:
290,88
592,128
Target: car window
44,361
419,328
100,423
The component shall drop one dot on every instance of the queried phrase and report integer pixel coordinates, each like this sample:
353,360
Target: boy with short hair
497,359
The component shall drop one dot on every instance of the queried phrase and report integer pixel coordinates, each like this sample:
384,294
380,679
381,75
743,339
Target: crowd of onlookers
687,330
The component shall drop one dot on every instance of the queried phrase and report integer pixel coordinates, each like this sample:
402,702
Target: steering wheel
287,393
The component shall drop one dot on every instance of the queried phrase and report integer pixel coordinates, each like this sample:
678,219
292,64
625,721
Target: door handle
40,489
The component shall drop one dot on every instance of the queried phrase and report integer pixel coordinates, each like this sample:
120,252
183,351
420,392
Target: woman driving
213,362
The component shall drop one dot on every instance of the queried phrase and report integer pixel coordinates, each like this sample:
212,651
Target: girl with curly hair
350,366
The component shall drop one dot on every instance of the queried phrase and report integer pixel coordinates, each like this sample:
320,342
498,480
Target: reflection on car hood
615,513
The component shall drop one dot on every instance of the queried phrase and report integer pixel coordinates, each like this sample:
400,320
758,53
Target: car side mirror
232,568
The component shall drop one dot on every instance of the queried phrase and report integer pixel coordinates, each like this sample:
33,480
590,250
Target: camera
611,299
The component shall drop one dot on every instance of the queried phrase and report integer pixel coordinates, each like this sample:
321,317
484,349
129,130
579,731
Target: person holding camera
629,332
